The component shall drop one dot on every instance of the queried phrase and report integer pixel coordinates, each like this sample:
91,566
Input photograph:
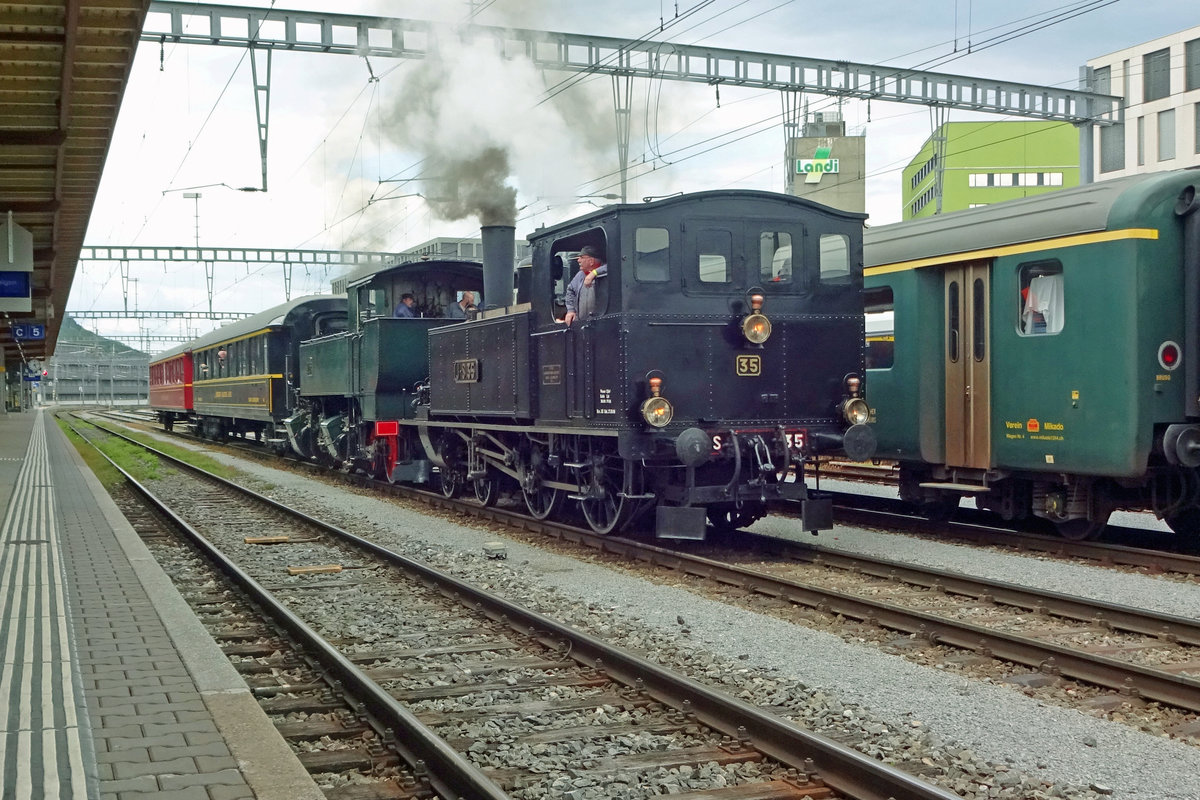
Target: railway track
502,699
1149,550
1129,656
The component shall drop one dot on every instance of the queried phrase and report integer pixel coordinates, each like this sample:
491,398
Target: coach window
775,255
651,255
835,258
1040,302
715,248
880,308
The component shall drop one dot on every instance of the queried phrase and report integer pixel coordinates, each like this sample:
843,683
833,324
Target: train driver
405,308
581,292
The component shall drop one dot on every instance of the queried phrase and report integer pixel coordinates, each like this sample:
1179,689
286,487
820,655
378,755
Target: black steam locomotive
722,353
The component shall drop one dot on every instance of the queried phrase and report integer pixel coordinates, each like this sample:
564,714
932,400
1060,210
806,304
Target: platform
110,687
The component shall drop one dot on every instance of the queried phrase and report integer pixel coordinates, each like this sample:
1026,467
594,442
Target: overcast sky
339,142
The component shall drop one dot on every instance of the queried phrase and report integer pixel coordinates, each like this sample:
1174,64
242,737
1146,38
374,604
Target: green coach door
968,366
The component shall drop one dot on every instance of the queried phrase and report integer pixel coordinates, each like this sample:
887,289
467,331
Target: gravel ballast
986,740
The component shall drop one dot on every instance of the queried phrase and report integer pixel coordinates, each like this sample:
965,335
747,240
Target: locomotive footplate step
956,487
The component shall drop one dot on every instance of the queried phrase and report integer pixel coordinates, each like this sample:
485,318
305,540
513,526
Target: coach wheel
1185,521
727,520
1082,530
603,505
452,482
941,509
486,490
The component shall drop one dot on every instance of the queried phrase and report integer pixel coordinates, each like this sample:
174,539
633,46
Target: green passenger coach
1043,355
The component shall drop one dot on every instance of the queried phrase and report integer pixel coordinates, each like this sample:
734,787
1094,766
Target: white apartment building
1160,81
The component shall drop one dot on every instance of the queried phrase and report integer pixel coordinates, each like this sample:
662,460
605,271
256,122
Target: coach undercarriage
1079,506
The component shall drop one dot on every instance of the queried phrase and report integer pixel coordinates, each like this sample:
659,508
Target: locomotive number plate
749,366
466,371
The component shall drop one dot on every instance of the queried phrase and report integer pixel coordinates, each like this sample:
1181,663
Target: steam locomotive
723,354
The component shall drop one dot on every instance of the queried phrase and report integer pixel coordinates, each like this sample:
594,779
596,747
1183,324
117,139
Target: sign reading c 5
749,366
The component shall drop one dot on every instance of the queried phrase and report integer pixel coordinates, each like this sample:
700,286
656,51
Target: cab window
651,255
715,249
775,254
835,257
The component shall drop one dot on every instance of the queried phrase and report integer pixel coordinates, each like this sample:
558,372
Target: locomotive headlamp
755,325
856,411
756,328
657,410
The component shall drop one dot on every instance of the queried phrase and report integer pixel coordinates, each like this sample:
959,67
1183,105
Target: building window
1141,141
1191,65
922,201
1166,135
1125,81
978,179
923,172
1156,75
977,205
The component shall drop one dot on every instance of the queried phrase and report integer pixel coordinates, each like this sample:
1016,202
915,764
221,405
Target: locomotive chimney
498,250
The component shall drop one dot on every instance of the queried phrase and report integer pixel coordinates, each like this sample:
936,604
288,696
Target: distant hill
73,333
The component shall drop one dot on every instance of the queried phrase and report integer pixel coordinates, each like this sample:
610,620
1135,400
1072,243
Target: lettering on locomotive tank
552,374
749,366
466,370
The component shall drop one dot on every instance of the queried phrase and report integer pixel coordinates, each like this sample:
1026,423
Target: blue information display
14,284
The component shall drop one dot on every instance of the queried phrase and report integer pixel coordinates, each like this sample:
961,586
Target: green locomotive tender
1044,354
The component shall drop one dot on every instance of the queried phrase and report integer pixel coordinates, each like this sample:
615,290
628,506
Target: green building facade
969,164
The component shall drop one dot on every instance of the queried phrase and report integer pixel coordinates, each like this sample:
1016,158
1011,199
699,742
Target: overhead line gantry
264,31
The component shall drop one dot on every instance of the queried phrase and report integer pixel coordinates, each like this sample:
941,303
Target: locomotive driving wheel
486,490
541,500
604,506
383,459
451,480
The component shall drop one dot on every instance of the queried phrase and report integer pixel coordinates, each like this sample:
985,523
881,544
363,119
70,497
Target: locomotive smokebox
498,250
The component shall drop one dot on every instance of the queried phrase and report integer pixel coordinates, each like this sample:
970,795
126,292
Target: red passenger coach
171,387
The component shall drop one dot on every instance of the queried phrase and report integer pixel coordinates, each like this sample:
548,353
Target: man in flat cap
581,292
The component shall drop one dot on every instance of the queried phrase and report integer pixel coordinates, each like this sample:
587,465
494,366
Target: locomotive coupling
858,442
